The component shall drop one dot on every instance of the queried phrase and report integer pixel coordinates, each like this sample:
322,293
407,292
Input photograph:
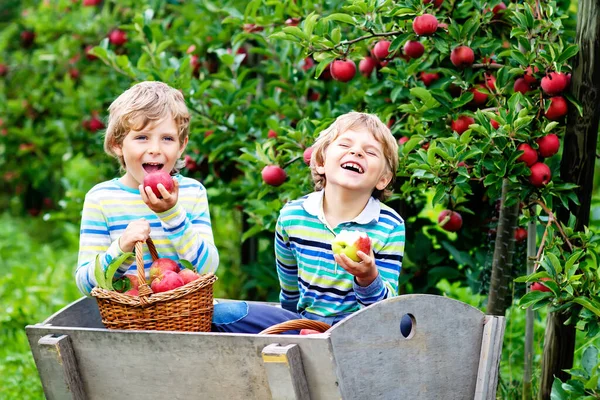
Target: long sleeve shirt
183,232
310,280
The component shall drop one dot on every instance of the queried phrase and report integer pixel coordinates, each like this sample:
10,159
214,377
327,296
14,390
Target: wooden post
60,350
529,316
285,372
489,358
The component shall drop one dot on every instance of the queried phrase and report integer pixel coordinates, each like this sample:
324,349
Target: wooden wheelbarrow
407,347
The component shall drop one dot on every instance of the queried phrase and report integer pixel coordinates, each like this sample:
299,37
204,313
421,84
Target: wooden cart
448,350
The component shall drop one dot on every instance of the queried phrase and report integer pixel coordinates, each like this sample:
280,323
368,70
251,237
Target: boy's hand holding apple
159,191
352,250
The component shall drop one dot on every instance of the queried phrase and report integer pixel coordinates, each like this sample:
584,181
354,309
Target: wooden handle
144,288
294,324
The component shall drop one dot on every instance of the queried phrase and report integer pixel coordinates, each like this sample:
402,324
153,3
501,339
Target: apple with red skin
89,56
461,124
436,3
529,77
490,81
272,134
540,287
350,242
450,221
74,73
167,280
495,124
161,265
381,49
343,70
498,10
132,292
558,108
367,65
273,175
529,155
195,63
190,164
89,3
521,86
429,77
462,57
3,70
520,234
414,49
154,178
251,28
188,275
554,83
479,98
307,155
403,140
548,145
117,37
292,21
27,38
540,174
425,25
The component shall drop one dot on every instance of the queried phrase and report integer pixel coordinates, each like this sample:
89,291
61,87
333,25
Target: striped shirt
310,280
183,232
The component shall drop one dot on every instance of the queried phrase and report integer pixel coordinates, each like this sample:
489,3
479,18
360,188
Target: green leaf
163,46
555,262
99,273
113,266
533,297
340,17
558,393
591,305
295,31
187,265
569,52
589,359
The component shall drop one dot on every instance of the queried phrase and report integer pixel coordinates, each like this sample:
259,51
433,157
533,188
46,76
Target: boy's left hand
364,271
168,201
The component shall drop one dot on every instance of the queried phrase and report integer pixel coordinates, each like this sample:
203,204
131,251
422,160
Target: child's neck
342,205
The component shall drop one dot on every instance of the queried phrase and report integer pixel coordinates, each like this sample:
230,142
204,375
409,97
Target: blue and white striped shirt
183,232
309,277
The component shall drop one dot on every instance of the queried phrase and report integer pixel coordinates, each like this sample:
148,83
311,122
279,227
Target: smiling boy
147,131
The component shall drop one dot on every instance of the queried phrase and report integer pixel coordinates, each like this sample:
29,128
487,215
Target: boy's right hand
136,231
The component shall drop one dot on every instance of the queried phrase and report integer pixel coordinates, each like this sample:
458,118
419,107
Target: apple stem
291,161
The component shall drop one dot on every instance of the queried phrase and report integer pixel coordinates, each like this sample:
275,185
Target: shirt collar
313,204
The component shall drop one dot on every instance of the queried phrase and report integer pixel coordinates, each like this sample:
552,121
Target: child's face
355,161
153,148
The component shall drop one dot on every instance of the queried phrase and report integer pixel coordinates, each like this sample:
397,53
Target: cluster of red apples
165,275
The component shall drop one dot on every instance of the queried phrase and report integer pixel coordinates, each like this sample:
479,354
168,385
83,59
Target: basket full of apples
175,300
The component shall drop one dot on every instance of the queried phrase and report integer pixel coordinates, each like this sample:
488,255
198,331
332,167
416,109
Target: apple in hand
154,178
350,242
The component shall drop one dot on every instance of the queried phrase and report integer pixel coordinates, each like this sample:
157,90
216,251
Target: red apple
74,73
88,3
381,49
529,155
343,71
414,49
273,175
272,134
548,145
538,286
403,140
425,25
3,69
494,123
308,63
436,3
462,56
195,63
520,234
479,97
292,21
350,242
89,56
521,86
27,38
429,77
367,65
306,156
190,164
117,37
461,124
558,108
450,221
188,275
498,10
161,265
540,174
554,83
132,292
156,177
167,280
529,75
490,81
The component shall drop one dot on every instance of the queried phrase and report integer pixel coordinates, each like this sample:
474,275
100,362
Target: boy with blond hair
147,131
353,165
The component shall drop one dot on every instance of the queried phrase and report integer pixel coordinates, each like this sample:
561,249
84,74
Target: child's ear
182,147
118,149
320,169
384,180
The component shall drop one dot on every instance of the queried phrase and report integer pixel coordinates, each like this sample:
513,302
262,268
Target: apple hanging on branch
350,242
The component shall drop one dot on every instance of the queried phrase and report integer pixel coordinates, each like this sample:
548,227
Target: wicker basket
187,308
296,324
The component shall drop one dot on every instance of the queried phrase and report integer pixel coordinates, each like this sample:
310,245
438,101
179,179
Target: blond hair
350,121
141,105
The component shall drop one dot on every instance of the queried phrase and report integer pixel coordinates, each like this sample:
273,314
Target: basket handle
144,289
294,324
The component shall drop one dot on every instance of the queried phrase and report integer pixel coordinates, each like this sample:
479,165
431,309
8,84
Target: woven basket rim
121,298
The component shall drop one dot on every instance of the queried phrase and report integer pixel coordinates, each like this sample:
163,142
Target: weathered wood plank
285,372
59,352
489,360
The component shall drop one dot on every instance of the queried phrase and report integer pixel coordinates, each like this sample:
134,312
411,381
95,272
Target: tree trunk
499,298
529,318
577,166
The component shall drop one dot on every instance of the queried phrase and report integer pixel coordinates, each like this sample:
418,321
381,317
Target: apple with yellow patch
350,242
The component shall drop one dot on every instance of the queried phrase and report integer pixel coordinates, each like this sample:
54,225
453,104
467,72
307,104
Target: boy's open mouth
354,167
152,167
